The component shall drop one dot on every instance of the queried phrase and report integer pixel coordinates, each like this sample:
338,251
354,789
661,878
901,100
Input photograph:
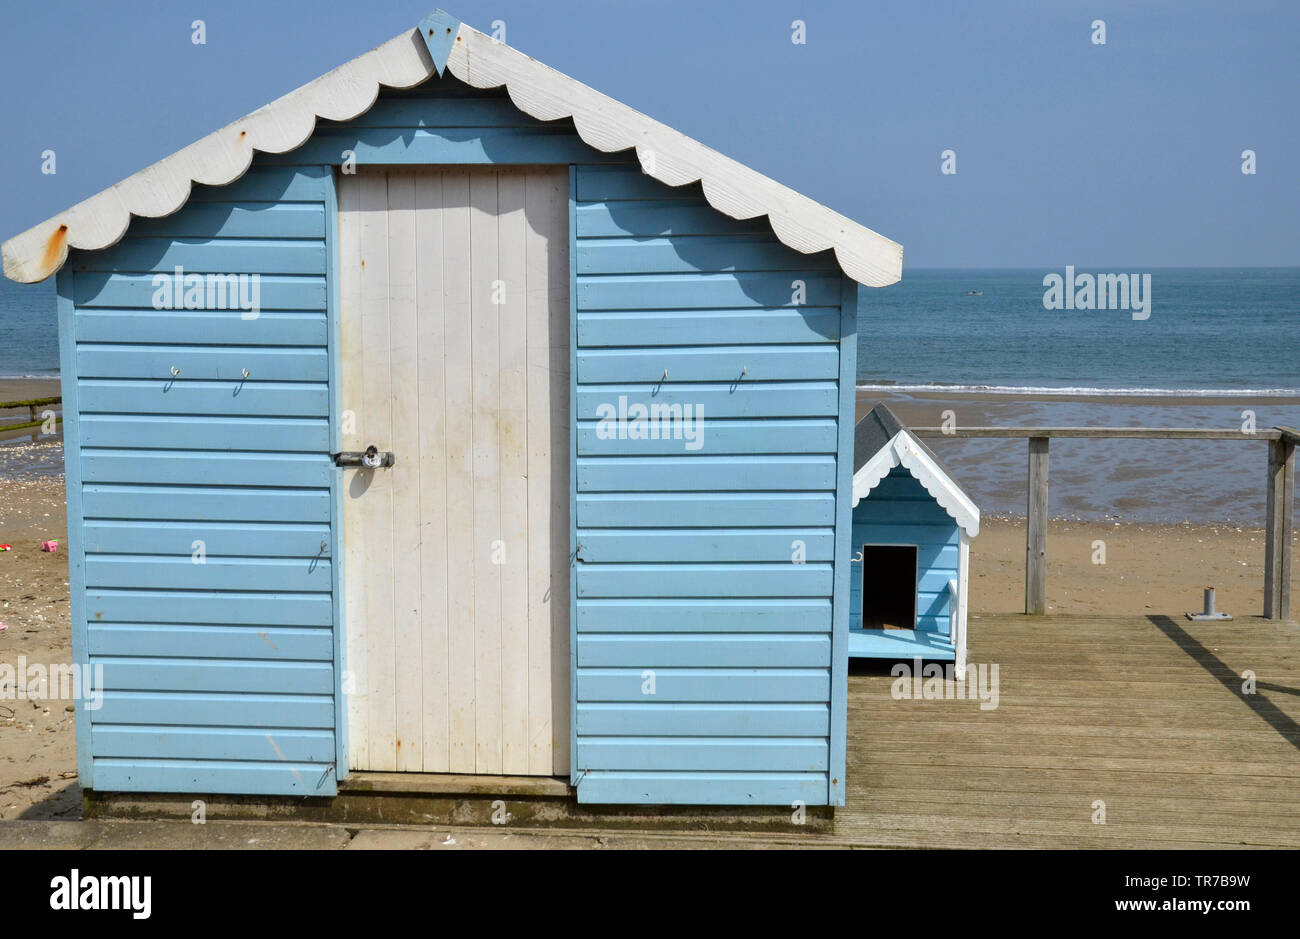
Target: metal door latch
371,459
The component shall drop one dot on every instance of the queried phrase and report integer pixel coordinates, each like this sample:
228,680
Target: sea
1217,347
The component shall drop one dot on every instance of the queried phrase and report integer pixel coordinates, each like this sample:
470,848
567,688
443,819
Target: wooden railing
31,405
1279,503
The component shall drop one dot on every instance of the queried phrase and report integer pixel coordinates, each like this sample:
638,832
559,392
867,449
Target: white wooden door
454,343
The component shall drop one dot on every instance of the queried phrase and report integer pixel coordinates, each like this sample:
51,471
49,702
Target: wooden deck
1143,713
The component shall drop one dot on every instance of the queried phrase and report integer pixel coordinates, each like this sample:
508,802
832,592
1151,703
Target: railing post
1036,528
1278,507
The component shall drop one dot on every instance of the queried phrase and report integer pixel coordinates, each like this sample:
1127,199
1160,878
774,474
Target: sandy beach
1149,568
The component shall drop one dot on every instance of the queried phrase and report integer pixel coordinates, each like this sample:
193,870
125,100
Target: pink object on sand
50,546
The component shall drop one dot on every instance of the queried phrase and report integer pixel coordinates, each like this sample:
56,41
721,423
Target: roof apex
882,442
438,30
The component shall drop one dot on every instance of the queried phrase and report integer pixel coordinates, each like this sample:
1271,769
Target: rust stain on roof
54,250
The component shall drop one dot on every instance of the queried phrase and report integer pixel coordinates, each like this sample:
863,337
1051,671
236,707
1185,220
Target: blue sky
1121,156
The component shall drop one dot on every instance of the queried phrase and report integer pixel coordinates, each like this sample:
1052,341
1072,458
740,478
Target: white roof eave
482,62
903,450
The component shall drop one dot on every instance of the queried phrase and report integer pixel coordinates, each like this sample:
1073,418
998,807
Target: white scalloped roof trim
903,450
217,159
675,159
483,62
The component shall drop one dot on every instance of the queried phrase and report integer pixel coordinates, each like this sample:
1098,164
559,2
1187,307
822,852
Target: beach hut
447,416
912,526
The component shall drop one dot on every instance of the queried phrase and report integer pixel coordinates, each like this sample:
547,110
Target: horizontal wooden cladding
762,289
212,607
719,650
231,398
161,640
627,181
703,580
270,184
709,437
714,544
702,788
695,254
738,365
151,572
195,709
141,431
128,291
655,719
705,473
206,468
246,778
709,400
216,327
227,675
230,539
901,516
405,146
704,615
662,217
212,743
268,220
287,363
704,510
930,537
709,327
752,754
204,504
704,684
200,255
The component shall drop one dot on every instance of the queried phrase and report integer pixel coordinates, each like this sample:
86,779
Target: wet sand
24,389
1171,481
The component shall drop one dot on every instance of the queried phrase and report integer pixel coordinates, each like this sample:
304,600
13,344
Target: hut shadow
771,286
881,667
61,803
1269,712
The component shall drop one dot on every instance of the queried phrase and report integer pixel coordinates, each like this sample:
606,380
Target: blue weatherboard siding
684,573
900,511
219,676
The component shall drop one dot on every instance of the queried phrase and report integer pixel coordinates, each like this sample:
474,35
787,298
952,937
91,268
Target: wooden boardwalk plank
1144,713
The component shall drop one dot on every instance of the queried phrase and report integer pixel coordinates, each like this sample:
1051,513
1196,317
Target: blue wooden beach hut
447,416
912,526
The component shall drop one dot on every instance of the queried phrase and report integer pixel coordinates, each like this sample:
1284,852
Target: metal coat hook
245,373
665,378
857,558
175,371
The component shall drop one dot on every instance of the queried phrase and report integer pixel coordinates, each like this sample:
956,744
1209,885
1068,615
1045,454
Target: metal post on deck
1036,528
1278,505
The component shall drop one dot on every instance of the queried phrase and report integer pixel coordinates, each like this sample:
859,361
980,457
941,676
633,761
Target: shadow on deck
1144,714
